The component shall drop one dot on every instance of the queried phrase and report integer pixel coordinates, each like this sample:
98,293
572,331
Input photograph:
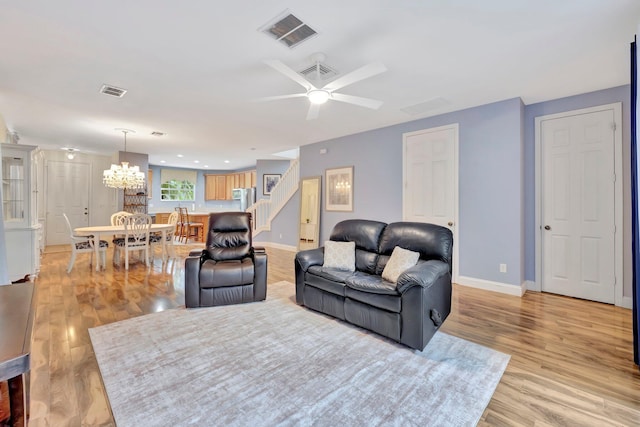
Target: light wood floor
571,360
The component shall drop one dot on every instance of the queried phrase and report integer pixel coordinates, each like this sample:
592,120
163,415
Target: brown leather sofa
409,311
229,270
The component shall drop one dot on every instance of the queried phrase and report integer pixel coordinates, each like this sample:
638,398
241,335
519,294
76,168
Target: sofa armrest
192,281
424,274
310,257
195,252
304,260
260,274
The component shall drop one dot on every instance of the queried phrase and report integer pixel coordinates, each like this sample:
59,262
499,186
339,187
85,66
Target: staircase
264,210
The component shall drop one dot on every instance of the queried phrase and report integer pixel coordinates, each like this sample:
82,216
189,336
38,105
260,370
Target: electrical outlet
503,268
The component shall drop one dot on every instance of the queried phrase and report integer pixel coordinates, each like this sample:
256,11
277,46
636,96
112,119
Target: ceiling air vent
156,133
113,91
318,71
288,29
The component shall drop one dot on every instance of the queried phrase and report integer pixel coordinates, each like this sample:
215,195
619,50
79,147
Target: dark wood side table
17,307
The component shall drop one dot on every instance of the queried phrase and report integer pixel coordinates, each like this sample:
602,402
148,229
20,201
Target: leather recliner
229,270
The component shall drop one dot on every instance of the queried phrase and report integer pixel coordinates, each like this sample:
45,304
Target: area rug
275,363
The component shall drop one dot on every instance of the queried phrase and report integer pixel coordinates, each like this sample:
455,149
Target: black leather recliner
229,270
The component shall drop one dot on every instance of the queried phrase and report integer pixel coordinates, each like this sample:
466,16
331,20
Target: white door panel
430,187
430,176
578,215
67,192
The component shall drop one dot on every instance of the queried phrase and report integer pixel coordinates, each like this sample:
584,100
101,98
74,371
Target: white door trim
456,222
617,154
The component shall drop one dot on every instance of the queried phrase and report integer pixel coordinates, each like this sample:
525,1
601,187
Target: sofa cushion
216,274
327,279
401,259
432,241
370,283
340,255
365,233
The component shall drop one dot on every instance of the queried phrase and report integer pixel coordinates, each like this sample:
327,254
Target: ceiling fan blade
357,100
361,73
289,72
274,98
314,109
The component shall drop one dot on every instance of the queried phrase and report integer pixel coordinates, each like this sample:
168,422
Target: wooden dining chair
190,229
155,239
84,245
136,237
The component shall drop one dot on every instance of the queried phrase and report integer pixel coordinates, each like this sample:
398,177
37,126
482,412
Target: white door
430,177
578,205
67,192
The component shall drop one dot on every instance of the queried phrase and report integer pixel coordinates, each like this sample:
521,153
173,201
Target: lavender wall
490,169
497,188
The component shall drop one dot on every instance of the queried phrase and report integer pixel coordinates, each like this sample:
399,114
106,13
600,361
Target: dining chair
190,229
84,245
156,238
136,237
118,219
180,225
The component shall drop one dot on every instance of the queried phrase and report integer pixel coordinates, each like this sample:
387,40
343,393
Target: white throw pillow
401,259
340,255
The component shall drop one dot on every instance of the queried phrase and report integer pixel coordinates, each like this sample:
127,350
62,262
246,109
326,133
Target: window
178,185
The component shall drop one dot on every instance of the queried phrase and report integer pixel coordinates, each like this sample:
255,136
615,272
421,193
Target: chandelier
123,176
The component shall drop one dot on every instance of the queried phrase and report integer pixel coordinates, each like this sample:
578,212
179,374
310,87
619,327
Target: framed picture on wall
339,189
269,180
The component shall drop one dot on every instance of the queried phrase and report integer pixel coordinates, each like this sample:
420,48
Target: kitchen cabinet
215,187
219,186
162,218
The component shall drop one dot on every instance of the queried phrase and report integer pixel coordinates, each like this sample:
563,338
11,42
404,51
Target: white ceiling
193,69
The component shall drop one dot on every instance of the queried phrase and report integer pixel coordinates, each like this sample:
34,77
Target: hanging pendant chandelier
123,176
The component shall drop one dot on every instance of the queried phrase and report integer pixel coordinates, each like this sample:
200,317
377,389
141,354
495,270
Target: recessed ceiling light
227,161
163,161
206,166
180,155
196,161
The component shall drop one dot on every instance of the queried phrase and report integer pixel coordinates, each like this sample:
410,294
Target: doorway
67,192
430,180
579,203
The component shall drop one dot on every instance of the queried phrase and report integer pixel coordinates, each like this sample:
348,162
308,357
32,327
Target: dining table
106,230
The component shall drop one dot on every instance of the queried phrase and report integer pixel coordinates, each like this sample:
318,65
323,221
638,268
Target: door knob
450,223
547,227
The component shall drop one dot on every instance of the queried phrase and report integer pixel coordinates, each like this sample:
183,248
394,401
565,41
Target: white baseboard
487,285
531,285
276,246
627,302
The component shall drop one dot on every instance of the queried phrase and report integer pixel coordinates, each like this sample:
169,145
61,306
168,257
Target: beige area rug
275,363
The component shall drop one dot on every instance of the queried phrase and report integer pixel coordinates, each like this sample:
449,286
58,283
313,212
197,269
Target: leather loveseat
409,311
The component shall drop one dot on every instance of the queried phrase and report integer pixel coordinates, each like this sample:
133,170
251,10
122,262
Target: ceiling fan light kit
318,96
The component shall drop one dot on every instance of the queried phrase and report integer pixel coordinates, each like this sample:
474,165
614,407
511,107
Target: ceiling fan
318,96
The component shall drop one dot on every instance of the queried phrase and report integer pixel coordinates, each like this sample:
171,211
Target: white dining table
106,230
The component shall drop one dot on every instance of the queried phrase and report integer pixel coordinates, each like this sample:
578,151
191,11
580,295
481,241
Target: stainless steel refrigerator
246,196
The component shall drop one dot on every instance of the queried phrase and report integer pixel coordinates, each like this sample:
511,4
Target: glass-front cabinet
22,230
15,190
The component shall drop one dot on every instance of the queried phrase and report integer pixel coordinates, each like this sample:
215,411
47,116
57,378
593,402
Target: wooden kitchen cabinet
218,187
215,187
